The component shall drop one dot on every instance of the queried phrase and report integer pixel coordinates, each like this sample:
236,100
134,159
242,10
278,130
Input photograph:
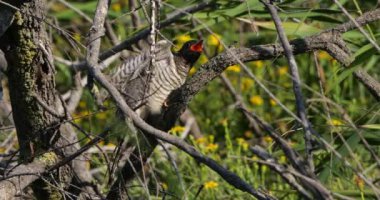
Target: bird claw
165,104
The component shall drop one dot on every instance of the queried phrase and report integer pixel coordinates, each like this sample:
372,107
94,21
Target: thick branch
20,177
369,82
366,18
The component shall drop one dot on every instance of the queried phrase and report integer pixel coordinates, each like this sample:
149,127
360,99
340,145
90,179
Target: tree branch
281,170
19,178
299,99
369,82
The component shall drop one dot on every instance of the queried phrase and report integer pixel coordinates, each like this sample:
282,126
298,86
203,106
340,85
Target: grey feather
144,90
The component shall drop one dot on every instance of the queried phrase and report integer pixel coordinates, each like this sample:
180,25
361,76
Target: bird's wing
135,66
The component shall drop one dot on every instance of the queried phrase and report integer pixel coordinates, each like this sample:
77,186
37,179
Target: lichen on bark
26,78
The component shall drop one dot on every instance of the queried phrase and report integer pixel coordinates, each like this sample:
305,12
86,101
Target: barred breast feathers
166,79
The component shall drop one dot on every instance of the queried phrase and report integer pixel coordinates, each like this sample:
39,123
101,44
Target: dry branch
299,99
19,178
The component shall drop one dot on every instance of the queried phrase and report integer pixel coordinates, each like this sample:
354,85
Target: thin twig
301,109
239,102
134,15
358,26
86,17
71,157
280,170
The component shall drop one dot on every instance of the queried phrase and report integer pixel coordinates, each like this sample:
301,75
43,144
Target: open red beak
197,47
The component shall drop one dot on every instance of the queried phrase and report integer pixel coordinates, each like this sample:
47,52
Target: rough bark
30,74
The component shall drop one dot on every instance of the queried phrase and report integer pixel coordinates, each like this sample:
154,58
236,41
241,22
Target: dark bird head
191,51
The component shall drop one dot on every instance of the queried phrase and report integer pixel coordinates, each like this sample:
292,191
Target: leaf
371,126
88,8
340,77
352,142
291,28
242,8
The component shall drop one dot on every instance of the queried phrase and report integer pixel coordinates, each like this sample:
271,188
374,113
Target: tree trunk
32,86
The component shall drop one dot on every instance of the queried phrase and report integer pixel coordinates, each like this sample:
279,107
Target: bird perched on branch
146,85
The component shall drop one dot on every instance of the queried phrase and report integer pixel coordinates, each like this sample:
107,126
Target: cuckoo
146,85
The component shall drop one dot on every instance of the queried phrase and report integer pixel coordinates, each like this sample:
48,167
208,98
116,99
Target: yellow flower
213,40
359,182
183,38
224,122
246,83
282,70
202,59
201,140
210,184
116,7
82,104
336,122
233,68
256,100
248,134
192,71
240,140
101,116
111,145
220,48
282,159
259,64
264,168
268,139
272,102
255,158
177,129
244,144
81,114
179,41
323,55
164,186
211,138
212,147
